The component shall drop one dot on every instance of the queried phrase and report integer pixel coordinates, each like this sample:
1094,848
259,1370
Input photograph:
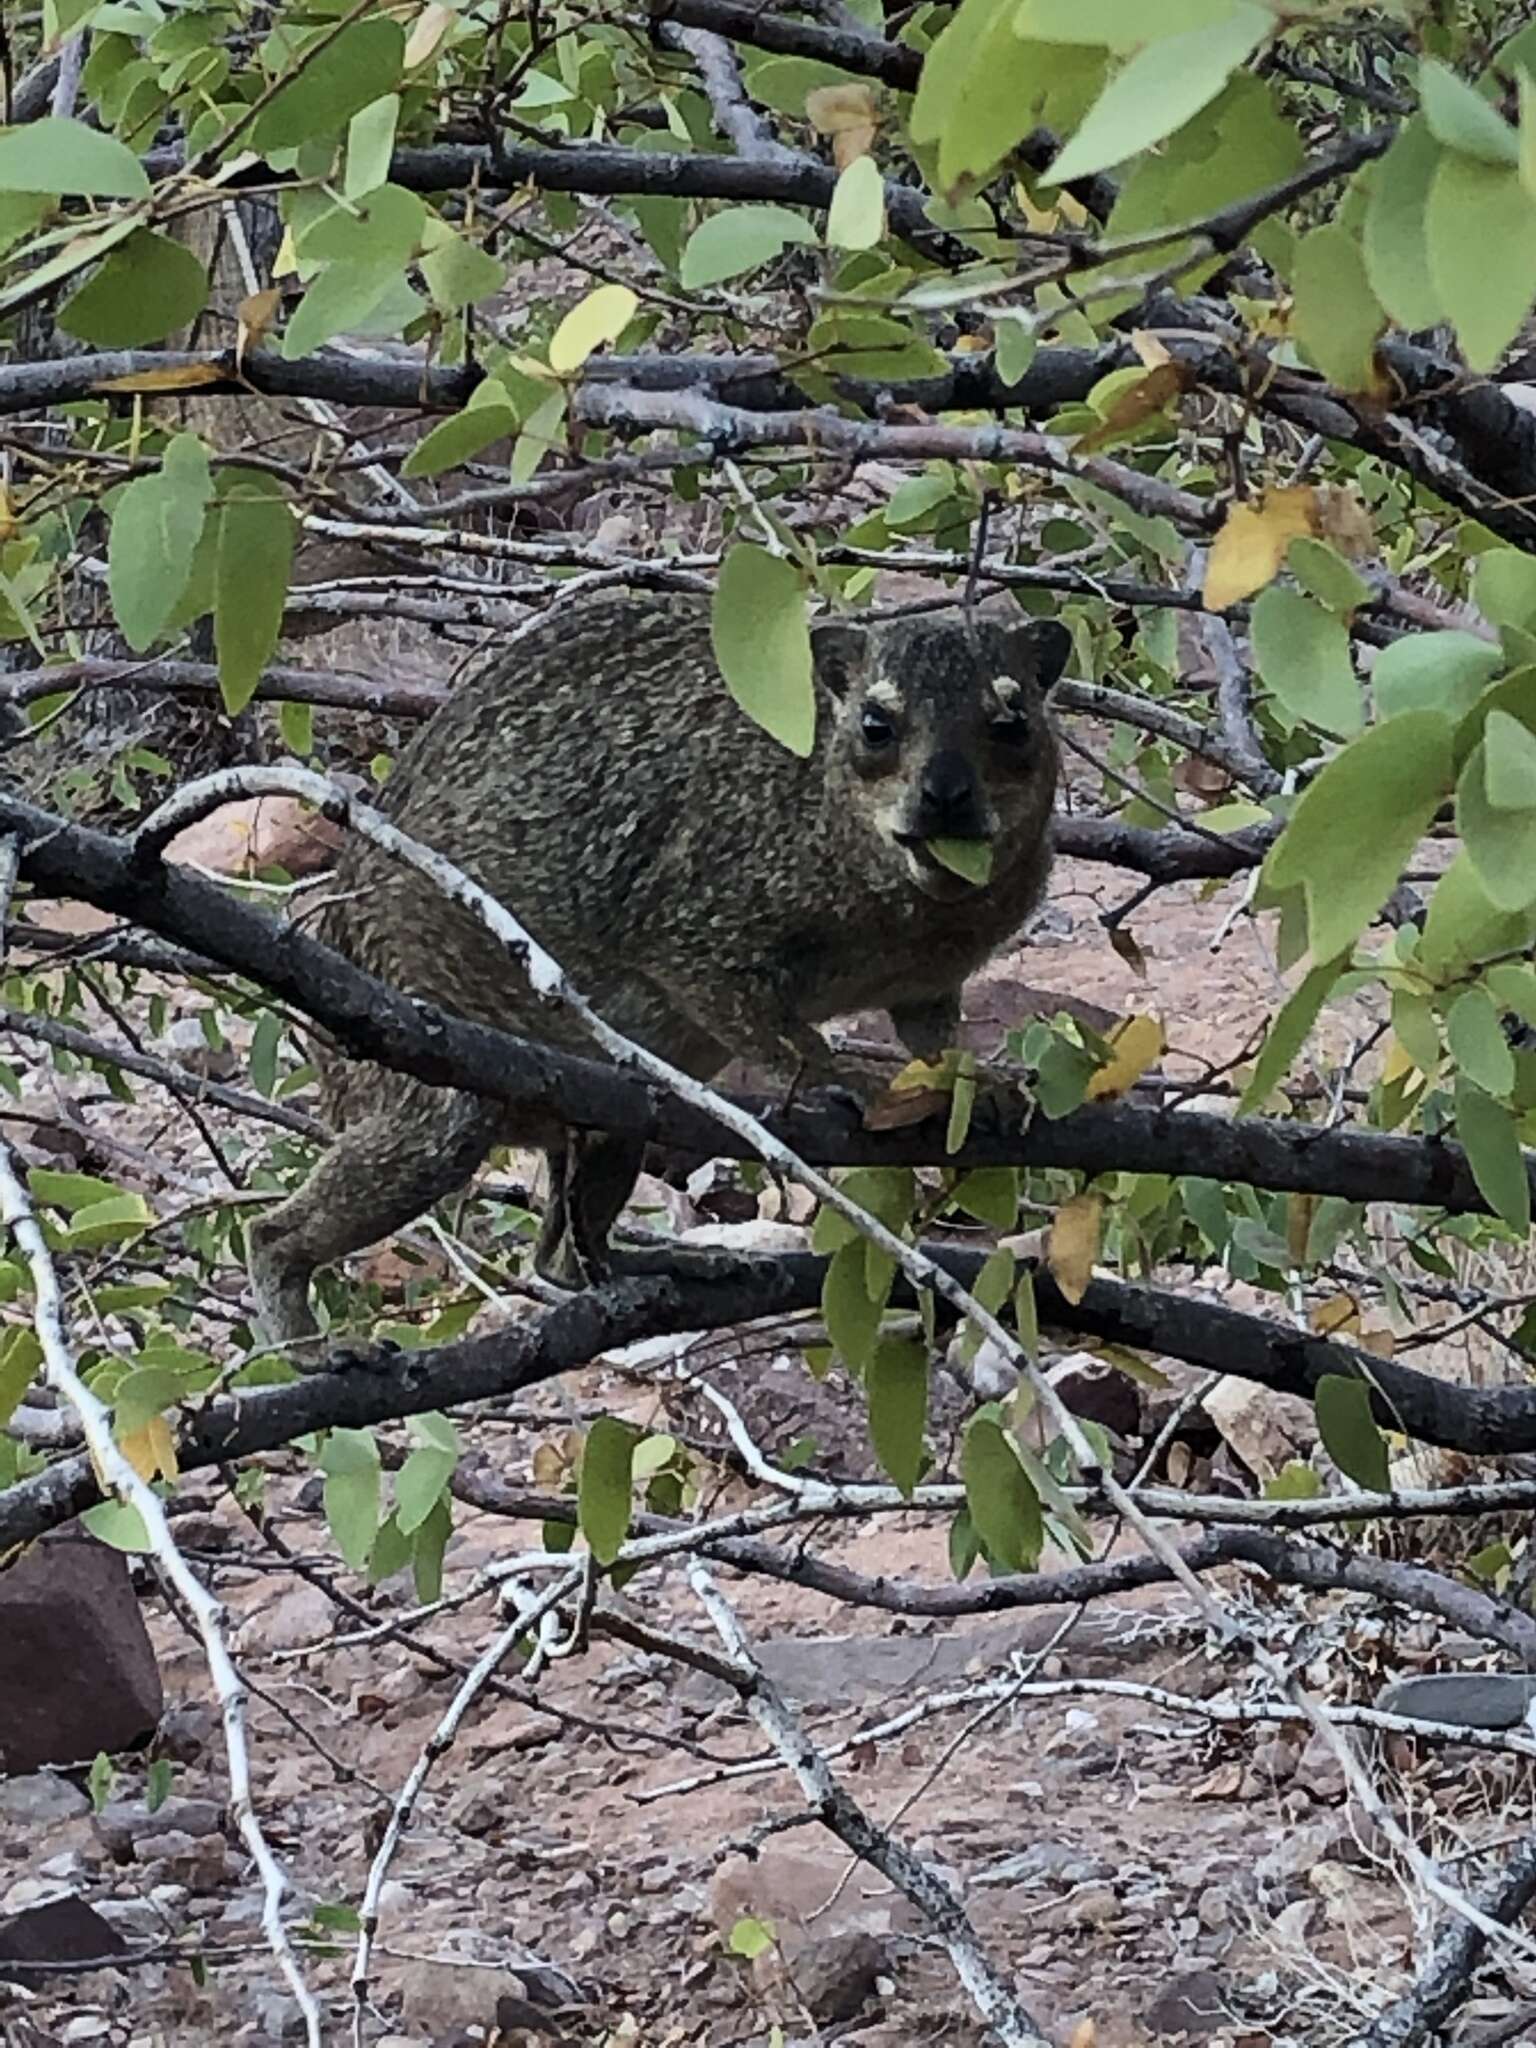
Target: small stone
186,1732
132,1832
834,1976
87,2026
1192,2005
40,1799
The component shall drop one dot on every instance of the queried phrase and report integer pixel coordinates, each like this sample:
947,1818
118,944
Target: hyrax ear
1049,647
1030,650
839,648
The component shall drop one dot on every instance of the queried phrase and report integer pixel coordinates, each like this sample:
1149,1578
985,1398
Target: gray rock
1465,1699
1191,2007
78,1676
133,1834
40,1800
834,1976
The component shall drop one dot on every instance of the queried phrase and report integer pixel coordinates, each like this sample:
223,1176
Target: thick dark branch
334,688
378,1023
867,56
381,1384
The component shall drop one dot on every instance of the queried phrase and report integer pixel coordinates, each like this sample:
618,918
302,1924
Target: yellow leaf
286,262
1140,401
10,525
1400,1065
1084,2035
1299,1211
254,316
848,115
1073,1244
1134,1366
1137,1041
1248,551
151,1451
428,34
1338,1316
189,377
601,317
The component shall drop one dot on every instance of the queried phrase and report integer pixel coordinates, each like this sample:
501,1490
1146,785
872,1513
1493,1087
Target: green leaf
1302,654
458,271
1324,573
602,1499
1510,775
341,300
751,1937
1357,824
118,1526
851,1312
381,232
68,1191
1463,926
543,430
1163,86
68,159
856,217
1114,24
147,287
1289,1033
255,555
1394,245
156,526
1474,209
896,1381
100,1780
1477,1042
354,68
424,1477
296,723
462,437
1294,1481
1492,1144
21,1357
1513,987
971,859
158,1781
114,1221
599,318
1461,119
1349,1432
763,644
991,1195
739,239
349,1459
1504,586
370,144
1004,1505
1336,318
1445,672
1501,844
429,1544
261,1060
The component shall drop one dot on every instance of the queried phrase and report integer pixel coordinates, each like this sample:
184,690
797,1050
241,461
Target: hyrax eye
875,728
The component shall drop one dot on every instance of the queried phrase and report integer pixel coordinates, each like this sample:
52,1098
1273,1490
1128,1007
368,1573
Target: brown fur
709,891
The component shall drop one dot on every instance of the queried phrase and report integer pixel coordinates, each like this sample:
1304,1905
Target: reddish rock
259,832
77,1674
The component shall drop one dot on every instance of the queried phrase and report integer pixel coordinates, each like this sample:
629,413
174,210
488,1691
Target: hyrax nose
948,800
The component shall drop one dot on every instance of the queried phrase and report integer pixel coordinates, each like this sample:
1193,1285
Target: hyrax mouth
948,869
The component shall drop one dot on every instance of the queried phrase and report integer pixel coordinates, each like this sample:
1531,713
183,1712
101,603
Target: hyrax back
713,894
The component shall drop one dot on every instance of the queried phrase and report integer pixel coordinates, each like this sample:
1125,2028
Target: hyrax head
942,733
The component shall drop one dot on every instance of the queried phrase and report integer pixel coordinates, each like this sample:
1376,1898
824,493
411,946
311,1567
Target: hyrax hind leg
416,1145
590,1179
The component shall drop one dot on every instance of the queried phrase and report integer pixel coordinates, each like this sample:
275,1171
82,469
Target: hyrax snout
712,893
